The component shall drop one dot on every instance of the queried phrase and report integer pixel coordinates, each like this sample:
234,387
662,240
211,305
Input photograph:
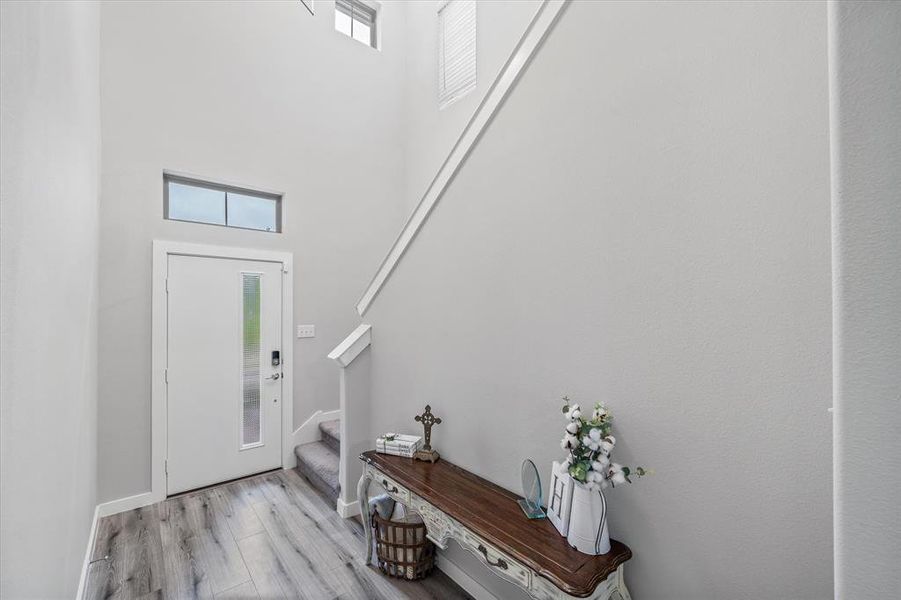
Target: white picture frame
560,498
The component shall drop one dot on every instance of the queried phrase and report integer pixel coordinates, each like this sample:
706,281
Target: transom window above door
199,201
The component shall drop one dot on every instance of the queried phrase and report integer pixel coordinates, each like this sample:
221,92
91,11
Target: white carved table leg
621,584
363,499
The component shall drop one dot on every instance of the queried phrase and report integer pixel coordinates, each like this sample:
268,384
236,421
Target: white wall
645,222
49,189
261,93
865,62
429,132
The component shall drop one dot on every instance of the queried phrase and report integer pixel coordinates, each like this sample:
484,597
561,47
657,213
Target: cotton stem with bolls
590,444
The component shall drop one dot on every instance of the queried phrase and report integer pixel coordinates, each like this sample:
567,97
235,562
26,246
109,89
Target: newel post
353,356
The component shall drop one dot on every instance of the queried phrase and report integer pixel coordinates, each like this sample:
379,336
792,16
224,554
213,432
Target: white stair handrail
359,339
545,18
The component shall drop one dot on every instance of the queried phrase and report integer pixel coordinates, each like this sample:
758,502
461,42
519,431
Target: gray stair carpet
331,434
318,463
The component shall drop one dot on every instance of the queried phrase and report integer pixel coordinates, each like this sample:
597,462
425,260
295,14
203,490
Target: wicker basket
402,547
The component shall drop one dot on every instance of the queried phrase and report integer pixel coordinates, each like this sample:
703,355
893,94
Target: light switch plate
306,331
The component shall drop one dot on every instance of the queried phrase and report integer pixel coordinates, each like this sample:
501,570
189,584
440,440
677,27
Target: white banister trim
535,33
345,352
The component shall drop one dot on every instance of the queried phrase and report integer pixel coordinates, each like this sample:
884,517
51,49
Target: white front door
224,394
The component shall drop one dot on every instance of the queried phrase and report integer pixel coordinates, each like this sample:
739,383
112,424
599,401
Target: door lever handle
274,376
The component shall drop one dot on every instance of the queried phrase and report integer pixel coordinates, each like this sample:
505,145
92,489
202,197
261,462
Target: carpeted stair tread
331,434
318,462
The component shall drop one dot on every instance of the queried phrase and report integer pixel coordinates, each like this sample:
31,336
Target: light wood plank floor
269,536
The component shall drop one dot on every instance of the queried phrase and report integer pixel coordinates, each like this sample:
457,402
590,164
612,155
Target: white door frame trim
162,249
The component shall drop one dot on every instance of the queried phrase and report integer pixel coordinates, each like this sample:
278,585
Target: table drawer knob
500,564
393,488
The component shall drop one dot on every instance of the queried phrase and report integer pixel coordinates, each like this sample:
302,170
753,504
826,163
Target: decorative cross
427,419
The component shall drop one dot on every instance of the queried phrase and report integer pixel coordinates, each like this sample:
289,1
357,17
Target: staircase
318,461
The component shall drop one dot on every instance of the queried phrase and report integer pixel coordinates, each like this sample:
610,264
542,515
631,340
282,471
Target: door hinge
166,375
167,285
166,466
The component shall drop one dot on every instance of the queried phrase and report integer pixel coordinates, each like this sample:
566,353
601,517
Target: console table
486,520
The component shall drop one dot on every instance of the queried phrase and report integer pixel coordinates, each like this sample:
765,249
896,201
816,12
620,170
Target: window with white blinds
456,50
358,20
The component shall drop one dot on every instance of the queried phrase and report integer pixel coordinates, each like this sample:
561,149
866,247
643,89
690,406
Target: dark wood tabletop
491,512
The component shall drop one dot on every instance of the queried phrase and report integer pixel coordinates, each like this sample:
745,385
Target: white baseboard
87,555
348,509
129,503
461,578
309,431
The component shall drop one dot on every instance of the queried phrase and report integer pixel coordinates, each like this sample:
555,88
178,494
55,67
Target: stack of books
398,444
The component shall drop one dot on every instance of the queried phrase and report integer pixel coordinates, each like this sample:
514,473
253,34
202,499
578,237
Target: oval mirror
531,490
